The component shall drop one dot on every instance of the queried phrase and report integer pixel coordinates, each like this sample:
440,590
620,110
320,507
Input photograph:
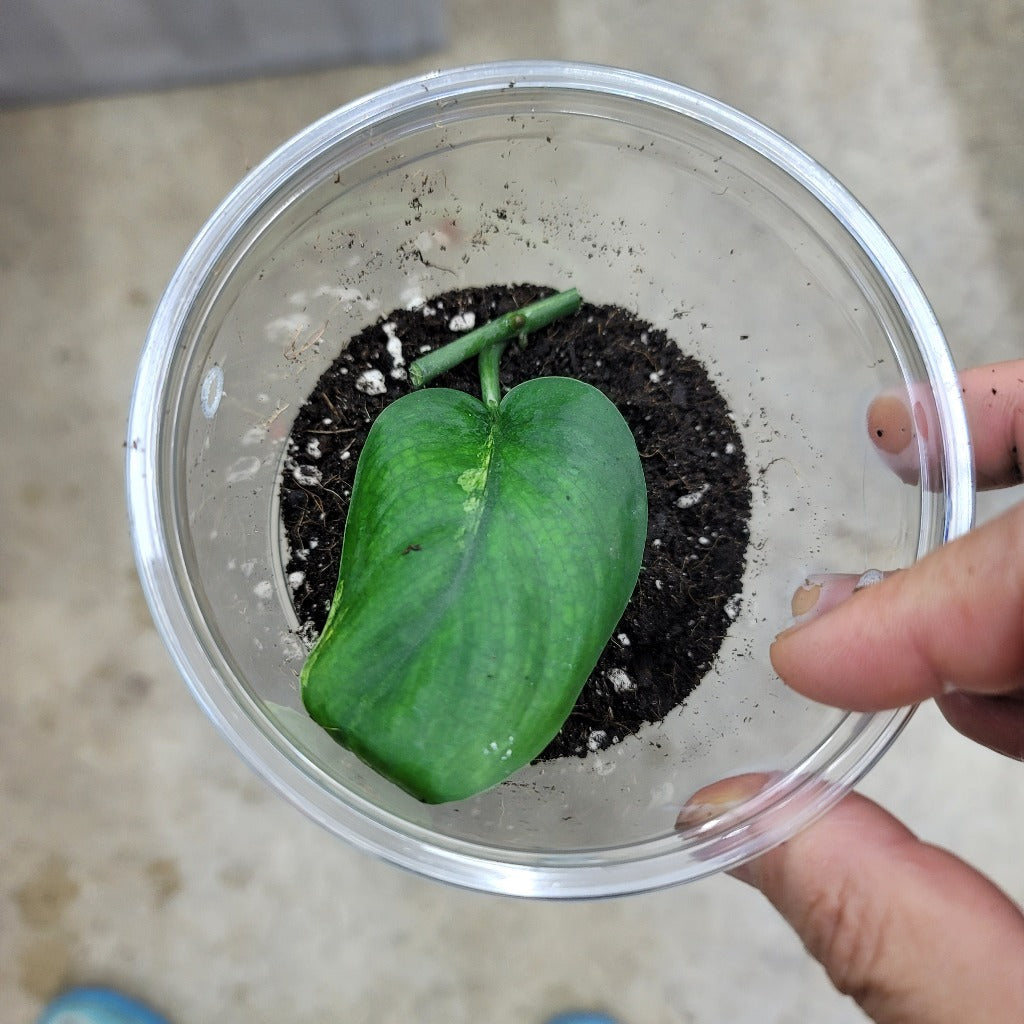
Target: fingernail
890,424
805,601
717,799
697,813
821,592
893,429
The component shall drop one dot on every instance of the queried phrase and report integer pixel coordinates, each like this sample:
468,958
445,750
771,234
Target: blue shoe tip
97,1005
582,1018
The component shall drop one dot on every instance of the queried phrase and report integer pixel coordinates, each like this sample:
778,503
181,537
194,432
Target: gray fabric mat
62,49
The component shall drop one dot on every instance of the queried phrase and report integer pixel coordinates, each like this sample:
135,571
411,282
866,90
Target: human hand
914,934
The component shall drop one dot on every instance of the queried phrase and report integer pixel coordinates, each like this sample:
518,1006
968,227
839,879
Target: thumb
911,932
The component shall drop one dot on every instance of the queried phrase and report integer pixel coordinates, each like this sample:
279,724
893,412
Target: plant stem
490,384
517,323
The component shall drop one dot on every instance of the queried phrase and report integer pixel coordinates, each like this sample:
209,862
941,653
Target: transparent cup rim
787,804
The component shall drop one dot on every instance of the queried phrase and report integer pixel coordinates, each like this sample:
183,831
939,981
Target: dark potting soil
697,483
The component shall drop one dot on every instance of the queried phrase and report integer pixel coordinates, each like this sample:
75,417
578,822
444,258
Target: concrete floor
182,877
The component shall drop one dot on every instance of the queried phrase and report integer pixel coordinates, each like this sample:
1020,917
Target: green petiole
517,323
490,385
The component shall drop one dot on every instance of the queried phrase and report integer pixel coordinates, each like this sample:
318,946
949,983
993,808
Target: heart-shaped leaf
487,557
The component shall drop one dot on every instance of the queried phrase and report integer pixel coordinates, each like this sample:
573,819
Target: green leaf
487,557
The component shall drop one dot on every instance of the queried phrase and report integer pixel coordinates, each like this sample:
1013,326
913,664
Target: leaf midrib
471,533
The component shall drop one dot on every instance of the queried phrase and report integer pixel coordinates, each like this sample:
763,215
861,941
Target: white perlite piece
620,681
596,738
371,382
691,499
394,347
462,322
307,476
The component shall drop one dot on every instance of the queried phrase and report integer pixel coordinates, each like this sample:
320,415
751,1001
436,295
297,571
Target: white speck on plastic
462,322
371,382
339,293
291,647
663,795
211,391
413,298
285,330
242,469
264,590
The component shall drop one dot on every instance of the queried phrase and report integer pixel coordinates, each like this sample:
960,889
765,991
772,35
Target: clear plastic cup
638,192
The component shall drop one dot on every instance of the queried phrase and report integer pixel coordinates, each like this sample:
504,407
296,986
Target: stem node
516,324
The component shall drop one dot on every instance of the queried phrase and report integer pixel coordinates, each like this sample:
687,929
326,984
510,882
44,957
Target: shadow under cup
637,192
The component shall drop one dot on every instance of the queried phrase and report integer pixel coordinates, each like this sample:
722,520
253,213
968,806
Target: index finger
993,398
954,620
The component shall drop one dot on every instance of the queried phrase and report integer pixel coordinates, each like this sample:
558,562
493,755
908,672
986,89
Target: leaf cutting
490,548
